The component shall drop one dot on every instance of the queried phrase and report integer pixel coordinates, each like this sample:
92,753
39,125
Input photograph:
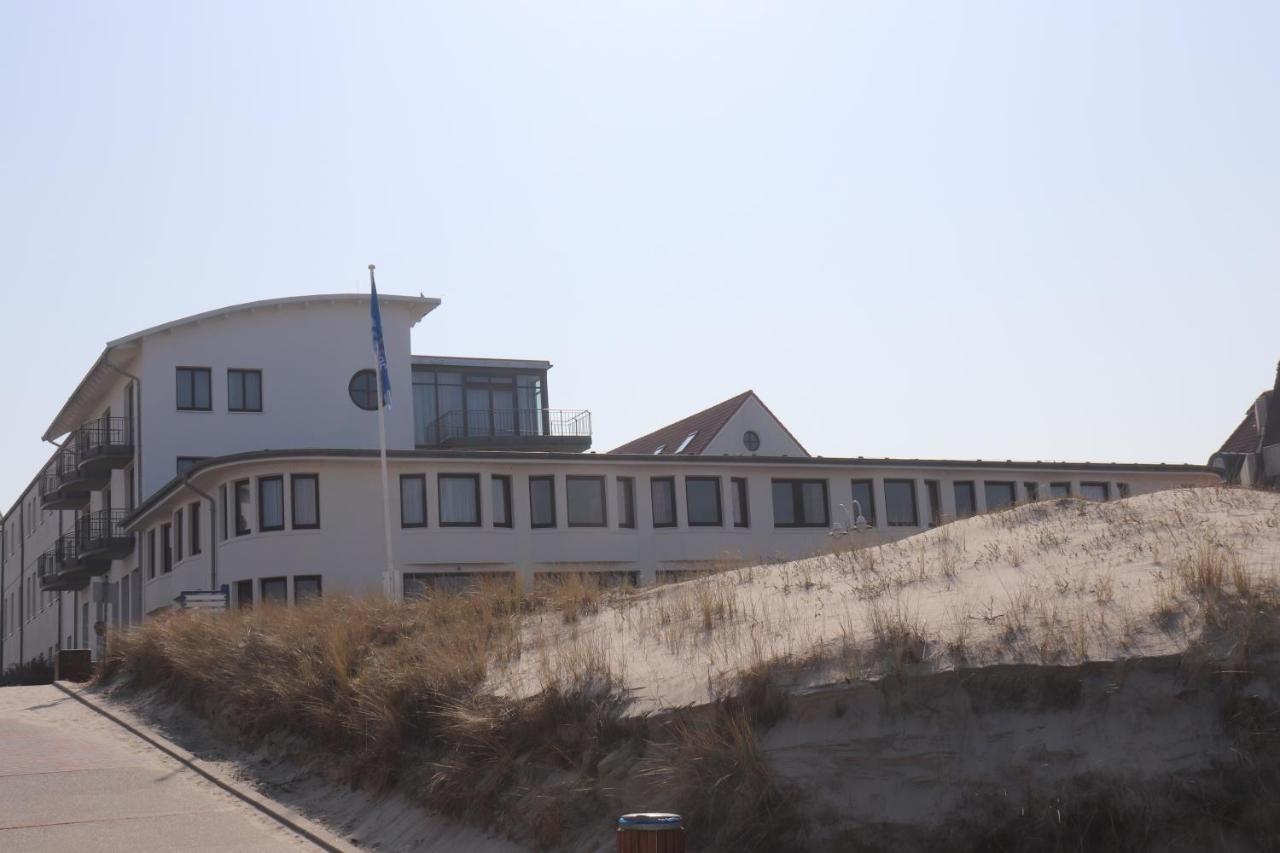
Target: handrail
97,434
501,423
100,526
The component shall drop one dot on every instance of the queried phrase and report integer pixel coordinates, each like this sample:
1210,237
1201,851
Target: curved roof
107,368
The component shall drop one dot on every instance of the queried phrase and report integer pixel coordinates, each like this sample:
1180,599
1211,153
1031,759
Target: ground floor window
542,501
934,489
275,590
1059,490
999,495
306,588
244,594
741,510
800,503
1094,491
900,503
662,491
966,499
585,499
459,496
702,501
501,493
413,500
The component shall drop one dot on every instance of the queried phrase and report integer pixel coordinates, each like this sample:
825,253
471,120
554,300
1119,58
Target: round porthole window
363,389
750,440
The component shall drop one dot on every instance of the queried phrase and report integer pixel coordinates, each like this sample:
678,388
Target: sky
962,230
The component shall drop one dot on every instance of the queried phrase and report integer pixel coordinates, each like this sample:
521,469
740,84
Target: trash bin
650,832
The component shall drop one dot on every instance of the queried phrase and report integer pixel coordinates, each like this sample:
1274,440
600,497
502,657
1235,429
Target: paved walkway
72,780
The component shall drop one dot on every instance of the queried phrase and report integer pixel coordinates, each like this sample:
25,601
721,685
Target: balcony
61,484
102,446
512,429
102,536
49,571
74,565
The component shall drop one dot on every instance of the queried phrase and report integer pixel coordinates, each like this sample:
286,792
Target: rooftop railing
509,423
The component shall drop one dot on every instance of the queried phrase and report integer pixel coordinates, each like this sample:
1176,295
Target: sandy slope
1052,582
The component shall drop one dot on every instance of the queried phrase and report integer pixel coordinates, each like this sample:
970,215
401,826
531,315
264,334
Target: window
1032,490
222,501
934,489
186,463
193,513
413,500
738,493
151,553
966,499
1094,491
177,536
702,501
500,492
305,495
363,389
489,402
244,595
800,503
900,503
244,390
626,502
1059,490
585,499
662,492
275,590
306,588
166,548
688,438
193,389
999,495
270,503
1123,488
659,449
459,496
242,507
751,440
865,495
542,502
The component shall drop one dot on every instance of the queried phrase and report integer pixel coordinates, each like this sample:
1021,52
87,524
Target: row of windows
195,389
276,590
901,506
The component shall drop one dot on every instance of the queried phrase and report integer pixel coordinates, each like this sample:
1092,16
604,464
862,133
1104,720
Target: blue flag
379,350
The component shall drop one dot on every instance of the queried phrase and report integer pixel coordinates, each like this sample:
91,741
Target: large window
244,390
270,503
459,496
500,486
585,499
275,590
900,503
1059,490
305,494
662,492
702,501
865,494
626,502
542,502
193,514
800,503
966,499
741,510
999,495
413,500
449,404
242,507
193,389
1094,491
306,588
363,390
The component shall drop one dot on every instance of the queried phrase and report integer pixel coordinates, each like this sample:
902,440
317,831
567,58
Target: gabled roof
1245,438
1272,435
706,424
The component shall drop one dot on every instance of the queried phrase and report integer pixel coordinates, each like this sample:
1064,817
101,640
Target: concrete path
71,779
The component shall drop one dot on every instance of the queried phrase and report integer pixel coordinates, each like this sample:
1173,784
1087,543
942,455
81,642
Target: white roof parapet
458,361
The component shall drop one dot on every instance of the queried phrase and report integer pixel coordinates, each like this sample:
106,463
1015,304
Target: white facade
309,431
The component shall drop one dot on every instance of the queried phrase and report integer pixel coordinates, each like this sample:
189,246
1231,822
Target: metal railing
509,423
48,566
97,530
63,468
98,435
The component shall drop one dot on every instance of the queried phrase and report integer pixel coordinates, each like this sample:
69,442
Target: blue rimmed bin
650,832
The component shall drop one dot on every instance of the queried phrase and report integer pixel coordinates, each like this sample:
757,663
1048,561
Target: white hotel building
238,448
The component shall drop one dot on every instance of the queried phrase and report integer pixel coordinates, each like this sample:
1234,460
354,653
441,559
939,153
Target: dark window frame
505,479
738,486
193,521
1124,491
240,373
797,501
1013,493
319,579
972,486
244,602
474,478
422,490
262,590
222,498
626,508
869,511
178,523
719,522
192,461
1065,485
151,554
293,501
933,491
604,498
190,373
915,503
549,478
166,549
1106,489
371,375
242,527
262,524
1031,489
670,483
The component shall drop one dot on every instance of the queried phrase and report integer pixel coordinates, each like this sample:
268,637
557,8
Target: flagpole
389,576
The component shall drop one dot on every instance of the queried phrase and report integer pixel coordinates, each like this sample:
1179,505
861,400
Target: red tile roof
707,424
1245,438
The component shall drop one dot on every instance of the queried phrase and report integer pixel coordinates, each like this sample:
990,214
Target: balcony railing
101,535
62,486
511,427
103,445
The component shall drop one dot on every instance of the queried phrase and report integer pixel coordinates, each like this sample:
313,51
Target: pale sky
960,230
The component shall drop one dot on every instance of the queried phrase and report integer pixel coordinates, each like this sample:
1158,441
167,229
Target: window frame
704,478
625,487
151,554
422,490
242,529
191,374
1031,488
179,519
915,502
359,374
986,494
262,589
319,579
933,491
293,501
869,511
601,482
243,603
797,500
166,548
262,524
222,498
241,373
541,478
479,517
505,480
1065,485
1105,486
738,487
193,522
670,482
972,485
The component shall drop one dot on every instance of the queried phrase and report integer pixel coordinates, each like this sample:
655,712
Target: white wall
752,415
